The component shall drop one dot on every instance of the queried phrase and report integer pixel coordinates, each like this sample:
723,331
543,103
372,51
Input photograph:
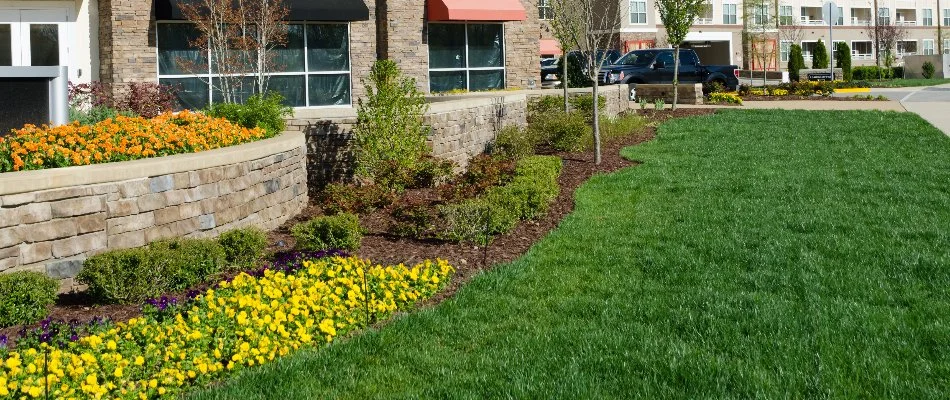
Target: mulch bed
381,247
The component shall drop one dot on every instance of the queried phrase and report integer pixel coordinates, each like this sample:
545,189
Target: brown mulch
383,248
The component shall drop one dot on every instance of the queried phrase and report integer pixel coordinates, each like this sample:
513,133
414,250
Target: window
785,16
884,16
729,14
862,50
313,68
466,56
906,47
946,16
784,50
928,47
760,16
638,12
928,17
545,11
946,46
808,48
840,20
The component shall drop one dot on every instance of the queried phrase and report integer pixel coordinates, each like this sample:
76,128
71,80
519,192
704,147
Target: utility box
33,95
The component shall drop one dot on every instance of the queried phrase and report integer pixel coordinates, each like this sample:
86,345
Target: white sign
829,12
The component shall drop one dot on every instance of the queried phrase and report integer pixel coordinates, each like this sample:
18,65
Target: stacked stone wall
126,43
55,229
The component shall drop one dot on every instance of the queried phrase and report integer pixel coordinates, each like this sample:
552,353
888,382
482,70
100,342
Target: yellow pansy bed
241,323
119,139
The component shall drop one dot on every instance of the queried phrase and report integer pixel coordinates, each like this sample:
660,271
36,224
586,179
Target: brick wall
54,230
406,41
126,42
522,50
362,50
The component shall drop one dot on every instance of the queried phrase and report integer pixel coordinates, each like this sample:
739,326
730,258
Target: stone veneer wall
127,42
461,127
51,220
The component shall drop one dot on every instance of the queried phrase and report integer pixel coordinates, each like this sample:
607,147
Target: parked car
656,66
549,70
578,62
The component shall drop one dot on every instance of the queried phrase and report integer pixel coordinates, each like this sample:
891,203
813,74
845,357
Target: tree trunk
595,99
564,82
676,75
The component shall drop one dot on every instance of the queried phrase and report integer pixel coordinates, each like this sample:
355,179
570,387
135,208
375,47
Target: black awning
300,10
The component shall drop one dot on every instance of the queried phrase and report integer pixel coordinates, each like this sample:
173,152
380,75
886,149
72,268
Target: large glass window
638,12
466,57
311,69
729,14
928,17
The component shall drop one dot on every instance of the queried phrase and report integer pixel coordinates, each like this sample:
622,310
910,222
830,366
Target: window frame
786,19
884,15
785,50
545,10
870,46
898,50
467,68
726,20
926,17
637,13
809,55
207,77
924,50
946,46
946,17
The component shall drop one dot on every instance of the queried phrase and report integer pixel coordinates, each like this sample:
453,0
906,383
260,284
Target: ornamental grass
119,139
247,321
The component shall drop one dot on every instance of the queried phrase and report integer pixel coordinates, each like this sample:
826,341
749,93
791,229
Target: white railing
906,23
704,21
857,56
859,22
807,21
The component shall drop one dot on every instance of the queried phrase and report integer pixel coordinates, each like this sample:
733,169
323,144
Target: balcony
812,16
906,17
860,16
861,56
807,21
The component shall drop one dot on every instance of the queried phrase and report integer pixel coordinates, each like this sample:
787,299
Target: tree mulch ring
383,248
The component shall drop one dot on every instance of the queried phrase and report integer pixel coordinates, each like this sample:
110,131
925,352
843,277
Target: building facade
444,45
719,36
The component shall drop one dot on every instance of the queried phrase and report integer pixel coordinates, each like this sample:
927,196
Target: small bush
340,231
620,126
123,276
483,173
265,112
897,72
476,221
341,198
563,131
514,142
147,99
432,171
187,262
713,87
819,58
584,104
539,108
95,115
928,70
796,62
25,297
843,60
412,220
244,247
871,73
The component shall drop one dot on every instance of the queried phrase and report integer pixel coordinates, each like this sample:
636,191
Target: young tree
239,37
796,62
760,33
598,27
678,17
884,35
819,57
843,59
566,30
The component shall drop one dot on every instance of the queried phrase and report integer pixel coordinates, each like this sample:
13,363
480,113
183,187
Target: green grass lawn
753,254
892,83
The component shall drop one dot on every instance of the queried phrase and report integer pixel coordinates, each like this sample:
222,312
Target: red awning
476,10
550,46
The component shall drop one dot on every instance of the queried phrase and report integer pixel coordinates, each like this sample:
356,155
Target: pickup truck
656,66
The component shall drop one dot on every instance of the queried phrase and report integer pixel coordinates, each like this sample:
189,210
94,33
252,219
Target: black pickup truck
656,66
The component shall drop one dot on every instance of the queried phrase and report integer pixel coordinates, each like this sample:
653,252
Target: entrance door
33,37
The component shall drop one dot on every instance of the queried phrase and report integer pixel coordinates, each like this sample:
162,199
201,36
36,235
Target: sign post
829,11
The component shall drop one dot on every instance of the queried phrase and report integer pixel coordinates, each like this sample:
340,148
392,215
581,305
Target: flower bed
249,320
119,139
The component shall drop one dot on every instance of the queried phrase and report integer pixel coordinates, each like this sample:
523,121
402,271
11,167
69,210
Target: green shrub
563,131
389,135
575,71
619,126
527,196
95,114
796,62
243,248
539,108
25,297
843,59
432,171
412,220
341,231
265,112
514,142
123,276
819,56
928,70
584,104
483,172
187,262
342,198
897,72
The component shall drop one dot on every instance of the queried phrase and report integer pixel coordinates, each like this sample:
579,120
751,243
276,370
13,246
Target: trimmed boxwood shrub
25,297
243,247
341,231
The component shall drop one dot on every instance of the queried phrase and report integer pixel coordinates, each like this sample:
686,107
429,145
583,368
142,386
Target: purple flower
74,337
3,341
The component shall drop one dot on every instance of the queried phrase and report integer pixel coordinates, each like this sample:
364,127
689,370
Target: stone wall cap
54,178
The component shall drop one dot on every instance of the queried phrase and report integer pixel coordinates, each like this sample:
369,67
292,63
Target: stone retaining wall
52,220
688,94
461,127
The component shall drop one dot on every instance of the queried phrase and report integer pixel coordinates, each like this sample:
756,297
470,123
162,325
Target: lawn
754,253
897,83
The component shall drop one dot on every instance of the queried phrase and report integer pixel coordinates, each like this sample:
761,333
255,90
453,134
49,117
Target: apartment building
717,35
332,44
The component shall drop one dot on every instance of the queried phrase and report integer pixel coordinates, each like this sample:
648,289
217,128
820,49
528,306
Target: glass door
9,34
